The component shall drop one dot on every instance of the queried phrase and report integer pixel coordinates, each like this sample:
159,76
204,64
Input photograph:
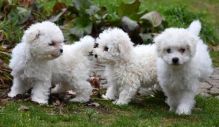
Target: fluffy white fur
72,69
127,67
183,61
30,62
34,65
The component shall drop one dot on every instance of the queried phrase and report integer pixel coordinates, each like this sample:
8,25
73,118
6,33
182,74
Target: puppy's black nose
61,50
175,60
95,55
91,53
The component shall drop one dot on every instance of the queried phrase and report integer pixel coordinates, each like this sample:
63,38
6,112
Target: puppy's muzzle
91,53
61,50
95,55
175,60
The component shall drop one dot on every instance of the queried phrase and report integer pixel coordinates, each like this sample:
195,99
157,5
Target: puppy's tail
204,61
85,44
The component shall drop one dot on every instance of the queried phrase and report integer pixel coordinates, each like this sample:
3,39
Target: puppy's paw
79,99
171,109
40,101
183,109
12,94
119,102
54,90
107,97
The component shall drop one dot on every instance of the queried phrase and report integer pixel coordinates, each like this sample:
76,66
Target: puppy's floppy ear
157,41
32,33
125,48
195,27
191,46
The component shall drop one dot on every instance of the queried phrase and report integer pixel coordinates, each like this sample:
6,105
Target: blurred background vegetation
142,19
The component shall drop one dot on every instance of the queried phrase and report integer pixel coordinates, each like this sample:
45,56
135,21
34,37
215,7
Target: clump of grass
11,32
215,56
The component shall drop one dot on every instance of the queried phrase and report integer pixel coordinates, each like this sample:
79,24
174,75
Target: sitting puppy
183,61
127,68
30,62
72,69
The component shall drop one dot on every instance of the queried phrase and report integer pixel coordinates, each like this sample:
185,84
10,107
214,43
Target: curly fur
127,68
180,78
30,62
73,69
37,63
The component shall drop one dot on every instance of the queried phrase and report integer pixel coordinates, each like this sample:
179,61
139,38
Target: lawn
147,111
144,111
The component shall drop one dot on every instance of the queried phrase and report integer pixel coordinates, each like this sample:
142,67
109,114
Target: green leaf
129,9
82,4
129,24
153,17
79,31
92,10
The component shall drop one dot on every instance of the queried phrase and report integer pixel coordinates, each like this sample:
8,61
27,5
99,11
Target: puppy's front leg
186,103
83,91
40,91
126,95
59,88
18,87
111,92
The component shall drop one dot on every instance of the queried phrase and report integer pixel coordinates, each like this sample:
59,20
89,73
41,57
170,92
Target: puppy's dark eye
182,50
168,50
52,43
96,45
105,48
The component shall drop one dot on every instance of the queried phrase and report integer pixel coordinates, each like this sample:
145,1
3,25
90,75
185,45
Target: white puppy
30,62
127,67
183,61
72,69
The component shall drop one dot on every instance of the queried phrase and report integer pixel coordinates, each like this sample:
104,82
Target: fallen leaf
56,103
23,108
26,3
94,104
58,6
1,36
71,92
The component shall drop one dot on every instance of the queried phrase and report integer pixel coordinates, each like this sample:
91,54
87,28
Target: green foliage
180,16
215,58
82,17
10,31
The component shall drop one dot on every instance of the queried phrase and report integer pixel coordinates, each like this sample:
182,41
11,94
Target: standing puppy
30,62
72,69
183,61
127,67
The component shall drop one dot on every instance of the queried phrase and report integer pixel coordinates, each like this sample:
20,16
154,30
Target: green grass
180,13
140,113
215,58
